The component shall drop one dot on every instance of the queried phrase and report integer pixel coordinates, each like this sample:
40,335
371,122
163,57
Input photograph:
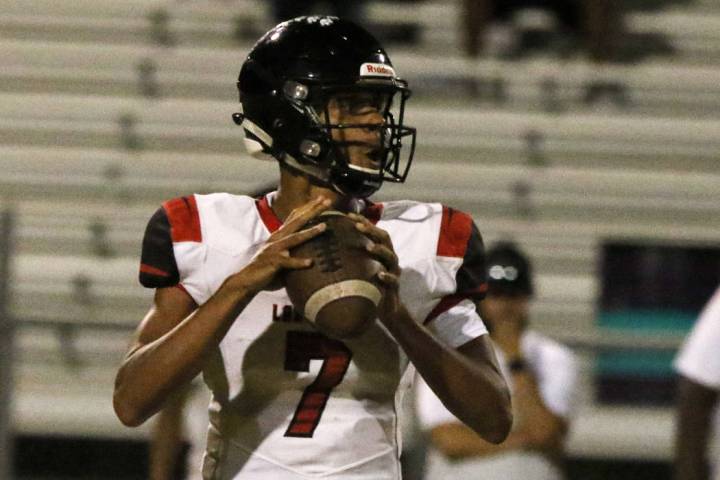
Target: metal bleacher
108,108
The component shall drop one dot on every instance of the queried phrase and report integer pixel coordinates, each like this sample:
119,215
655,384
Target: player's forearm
475,393
152,372
542,429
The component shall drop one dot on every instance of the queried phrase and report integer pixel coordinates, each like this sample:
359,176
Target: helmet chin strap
324,179
352,205
312,171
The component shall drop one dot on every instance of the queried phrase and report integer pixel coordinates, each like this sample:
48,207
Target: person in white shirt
698,364
542,375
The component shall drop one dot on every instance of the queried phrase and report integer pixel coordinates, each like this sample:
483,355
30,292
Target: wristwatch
517,365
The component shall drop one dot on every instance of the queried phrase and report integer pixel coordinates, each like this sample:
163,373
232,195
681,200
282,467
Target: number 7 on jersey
301,348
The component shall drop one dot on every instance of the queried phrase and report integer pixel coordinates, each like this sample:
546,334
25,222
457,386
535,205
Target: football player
320,96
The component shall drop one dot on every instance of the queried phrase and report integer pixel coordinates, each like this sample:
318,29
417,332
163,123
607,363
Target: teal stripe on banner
645,364
666,321
642,363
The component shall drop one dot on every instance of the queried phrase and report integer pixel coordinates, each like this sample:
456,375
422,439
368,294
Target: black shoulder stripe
471,278
157,262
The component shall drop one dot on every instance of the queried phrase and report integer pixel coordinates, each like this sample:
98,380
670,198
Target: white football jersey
288,402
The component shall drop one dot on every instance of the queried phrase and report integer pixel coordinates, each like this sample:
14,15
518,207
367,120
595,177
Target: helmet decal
324,21
376,70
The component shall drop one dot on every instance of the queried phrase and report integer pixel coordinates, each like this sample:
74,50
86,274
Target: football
340,292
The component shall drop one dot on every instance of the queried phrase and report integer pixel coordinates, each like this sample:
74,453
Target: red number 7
301,348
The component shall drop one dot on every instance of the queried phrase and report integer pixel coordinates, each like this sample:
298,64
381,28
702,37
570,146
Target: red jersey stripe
184,219
445,304
455,230
268,217
149,269
373,212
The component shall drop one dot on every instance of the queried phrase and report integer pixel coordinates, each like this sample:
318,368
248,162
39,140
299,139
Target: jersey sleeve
698,358
158,268
459,280
471,278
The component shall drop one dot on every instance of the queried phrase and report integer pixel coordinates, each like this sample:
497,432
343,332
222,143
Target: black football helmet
285,87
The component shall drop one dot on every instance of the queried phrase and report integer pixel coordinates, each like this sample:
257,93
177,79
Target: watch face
517,365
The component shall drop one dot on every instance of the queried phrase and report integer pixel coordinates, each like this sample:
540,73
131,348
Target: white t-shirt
699,359
555,369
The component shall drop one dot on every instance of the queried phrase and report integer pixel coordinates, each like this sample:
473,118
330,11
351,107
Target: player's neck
294,191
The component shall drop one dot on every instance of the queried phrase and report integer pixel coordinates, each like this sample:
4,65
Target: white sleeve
559,389
457,278
458,325
556,370
699,357
430,410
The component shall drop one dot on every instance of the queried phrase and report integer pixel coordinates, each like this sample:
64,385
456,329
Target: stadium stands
108,108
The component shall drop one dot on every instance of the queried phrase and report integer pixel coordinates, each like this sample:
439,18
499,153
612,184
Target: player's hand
382,249
274,255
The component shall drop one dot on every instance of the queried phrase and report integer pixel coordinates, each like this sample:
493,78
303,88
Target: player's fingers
390,280
386,256
366,227
301,215
295,263
359,218
297,238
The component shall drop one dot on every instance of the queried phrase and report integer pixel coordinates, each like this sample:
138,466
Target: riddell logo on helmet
376,70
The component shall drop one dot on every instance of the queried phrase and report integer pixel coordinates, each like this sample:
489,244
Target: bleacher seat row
108,108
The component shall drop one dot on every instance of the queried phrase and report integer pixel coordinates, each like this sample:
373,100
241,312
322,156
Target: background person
697,416
542,375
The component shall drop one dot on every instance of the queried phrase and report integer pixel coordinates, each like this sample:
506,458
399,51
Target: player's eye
363,104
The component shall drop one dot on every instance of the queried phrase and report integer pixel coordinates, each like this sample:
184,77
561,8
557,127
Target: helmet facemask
357,134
